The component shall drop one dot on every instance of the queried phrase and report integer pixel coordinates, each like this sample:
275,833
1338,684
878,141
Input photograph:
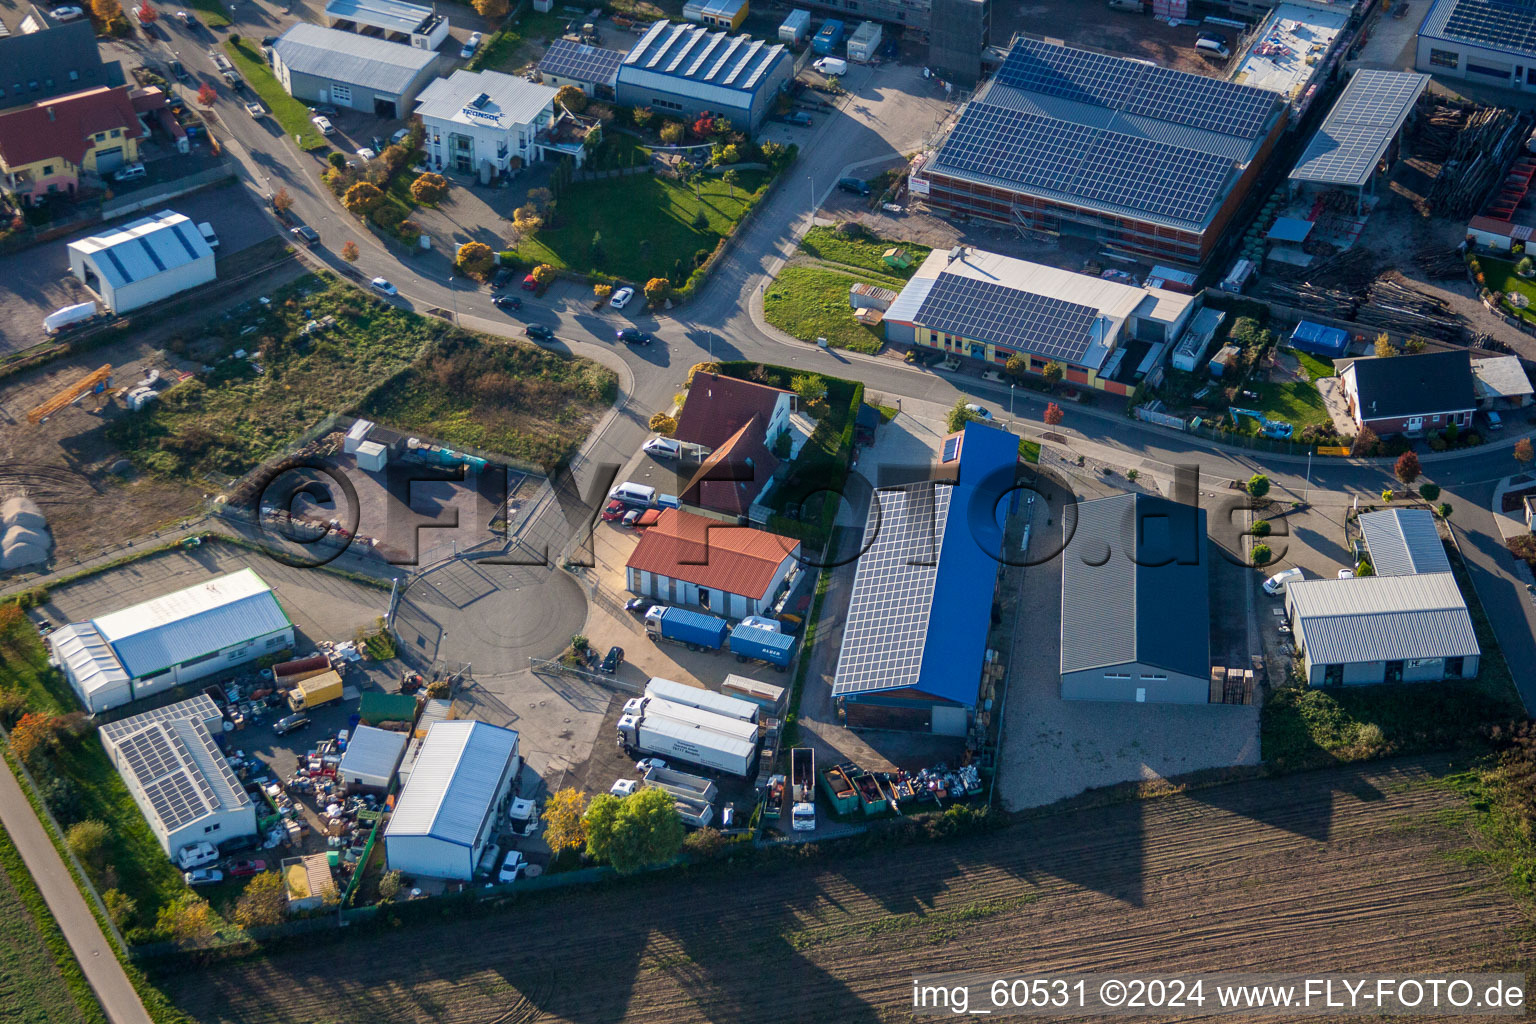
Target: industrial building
682,71
1487,41
915,636
1382,629
169,761
592,69
986,306
143,261
1293,53
1143,159
458,788
326,65
482,121
1135,602
726,14
726,570
371,758
1360,134
391,20
195,632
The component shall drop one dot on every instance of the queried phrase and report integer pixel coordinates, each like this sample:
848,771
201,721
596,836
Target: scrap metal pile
1472,145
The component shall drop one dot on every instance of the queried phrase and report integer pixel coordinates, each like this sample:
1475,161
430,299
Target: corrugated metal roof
1404,542
393,15
144,248
680,56
509,100
454,781
1381,618
1134,586
197,620
362,61
88,658
173,767
374,752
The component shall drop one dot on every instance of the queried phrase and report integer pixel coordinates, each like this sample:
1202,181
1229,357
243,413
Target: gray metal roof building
1355,135
325,65
144,261
401,22
1135,602
1404,542
446,814
178,777
1488,41
1150,159
682,71
1378,629
371,757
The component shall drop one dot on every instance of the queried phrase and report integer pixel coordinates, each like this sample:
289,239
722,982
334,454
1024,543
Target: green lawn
1299,403
212,12
1501,277
1029,451
825,243
811,303
513,399
646,223
38,970
292,114
515,45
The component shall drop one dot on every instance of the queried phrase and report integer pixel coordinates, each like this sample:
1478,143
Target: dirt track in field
1346,870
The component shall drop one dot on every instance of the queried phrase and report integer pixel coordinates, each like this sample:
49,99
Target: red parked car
614,511
246,868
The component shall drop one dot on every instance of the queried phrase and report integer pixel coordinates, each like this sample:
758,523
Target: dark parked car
289,723
637,605
503,276
307,235
246,868
613,659
854,185
507,302
539,331
634,336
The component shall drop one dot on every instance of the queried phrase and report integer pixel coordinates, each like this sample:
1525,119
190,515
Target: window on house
47,169
74,76
276,641
117,133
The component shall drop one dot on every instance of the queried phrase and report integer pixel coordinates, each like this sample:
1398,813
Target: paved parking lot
39,282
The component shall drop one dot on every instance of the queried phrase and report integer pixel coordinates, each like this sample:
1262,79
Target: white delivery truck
704,700
676,732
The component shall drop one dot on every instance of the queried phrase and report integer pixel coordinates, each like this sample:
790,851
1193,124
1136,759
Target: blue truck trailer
753,643
694,630
828,37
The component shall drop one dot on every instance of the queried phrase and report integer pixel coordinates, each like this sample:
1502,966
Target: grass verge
647,226
1029,451
862,254
212,12
810,303
35,956
1301,727
292,114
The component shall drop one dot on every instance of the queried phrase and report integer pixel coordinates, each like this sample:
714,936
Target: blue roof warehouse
914,641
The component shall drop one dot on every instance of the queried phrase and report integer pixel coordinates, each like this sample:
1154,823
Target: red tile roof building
687,559
717,407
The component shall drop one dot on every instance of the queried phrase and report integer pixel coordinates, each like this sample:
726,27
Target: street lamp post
812,178
1307,491
1011,388
455,296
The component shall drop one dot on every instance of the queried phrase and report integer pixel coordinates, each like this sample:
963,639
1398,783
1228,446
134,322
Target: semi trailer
677,732
694,630
704,700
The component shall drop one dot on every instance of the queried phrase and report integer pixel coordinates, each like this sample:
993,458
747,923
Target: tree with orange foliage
1053,414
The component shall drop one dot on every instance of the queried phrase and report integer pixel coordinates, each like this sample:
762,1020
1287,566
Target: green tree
1444,511
1262,554
635,831
731,178
1260,528
390,885
88,841
811,387
264,901
571,98
564,825
959,415
187,920
1258,485
336,160
1053,372
1429,492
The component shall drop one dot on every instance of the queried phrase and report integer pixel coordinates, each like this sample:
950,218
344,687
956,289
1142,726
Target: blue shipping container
691,627
828,37
1331,342
754,642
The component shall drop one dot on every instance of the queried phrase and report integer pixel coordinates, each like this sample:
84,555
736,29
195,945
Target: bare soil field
1345,870
1093,26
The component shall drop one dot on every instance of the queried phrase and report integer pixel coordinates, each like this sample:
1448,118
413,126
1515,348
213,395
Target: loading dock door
384,108
950,721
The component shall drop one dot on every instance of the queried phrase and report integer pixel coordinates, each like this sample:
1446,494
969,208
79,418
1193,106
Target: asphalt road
724,322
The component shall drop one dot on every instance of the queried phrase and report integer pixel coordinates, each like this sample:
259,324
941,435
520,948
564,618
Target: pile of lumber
1475,156
1438,263
1391,304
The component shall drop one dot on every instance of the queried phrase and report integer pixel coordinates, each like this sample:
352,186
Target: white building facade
143,262
475,118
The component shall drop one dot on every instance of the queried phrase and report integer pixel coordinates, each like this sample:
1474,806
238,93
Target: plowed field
1346,870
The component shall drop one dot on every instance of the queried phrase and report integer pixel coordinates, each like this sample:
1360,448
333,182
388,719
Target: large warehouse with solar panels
177,775
1140,158
681,71
150,647
143,262
982,305
915,637
1488,41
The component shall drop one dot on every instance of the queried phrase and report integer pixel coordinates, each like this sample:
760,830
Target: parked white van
632,493
196,855
1210,49
830,66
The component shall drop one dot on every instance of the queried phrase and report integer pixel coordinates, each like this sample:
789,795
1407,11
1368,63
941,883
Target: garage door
949,721
109,160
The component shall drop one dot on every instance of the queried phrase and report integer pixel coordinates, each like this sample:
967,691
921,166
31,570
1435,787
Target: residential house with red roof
45,146
692,560
739,422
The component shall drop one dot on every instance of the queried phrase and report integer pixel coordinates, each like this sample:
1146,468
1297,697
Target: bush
1388,495
1444,511
1429,492
672,133
264,901
705,844
1261,528
663,424
1258,485
362,198
476,260
1262,554
88,841
429,189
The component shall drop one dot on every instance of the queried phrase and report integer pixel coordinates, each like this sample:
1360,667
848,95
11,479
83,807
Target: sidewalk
53,879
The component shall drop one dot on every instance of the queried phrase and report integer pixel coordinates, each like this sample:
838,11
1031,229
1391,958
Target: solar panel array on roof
568,59
1352,138
1507,26
1044,326
696,54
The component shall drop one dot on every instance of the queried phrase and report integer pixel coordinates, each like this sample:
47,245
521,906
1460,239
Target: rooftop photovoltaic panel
1200,102
1045,326
567,59
1081,75
1507,25
175,800
1349,144
886,628
200,708
1163,180
951,449
746,61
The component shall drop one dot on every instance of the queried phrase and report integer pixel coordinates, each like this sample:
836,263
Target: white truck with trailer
676,732
704,700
